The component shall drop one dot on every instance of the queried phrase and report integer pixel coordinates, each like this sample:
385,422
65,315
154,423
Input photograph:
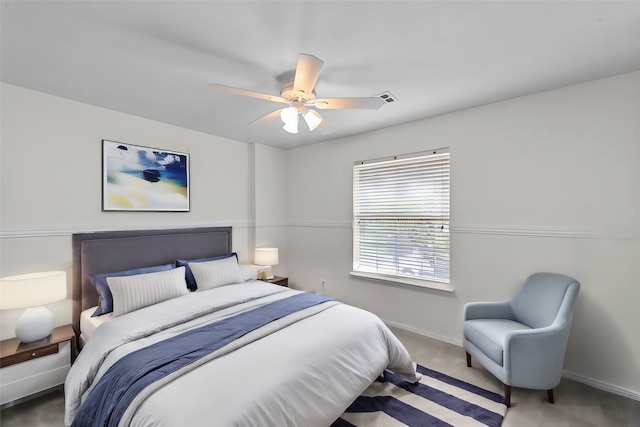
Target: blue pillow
99,281
191,281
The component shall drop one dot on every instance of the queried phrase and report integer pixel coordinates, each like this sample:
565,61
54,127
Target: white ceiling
154,58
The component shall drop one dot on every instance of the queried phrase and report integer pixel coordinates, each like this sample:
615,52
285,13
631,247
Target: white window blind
401,217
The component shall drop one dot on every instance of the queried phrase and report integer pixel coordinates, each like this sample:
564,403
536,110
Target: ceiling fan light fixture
289,115
313,119
301,93
291,127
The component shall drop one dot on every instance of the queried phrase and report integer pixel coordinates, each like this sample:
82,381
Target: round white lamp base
35,324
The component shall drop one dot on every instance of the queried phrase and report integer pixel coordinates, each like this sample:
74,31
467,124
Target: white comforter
305,374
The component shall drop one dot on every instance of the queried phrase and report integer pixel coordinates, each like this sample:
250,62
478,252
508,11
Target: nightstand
27,369
277,280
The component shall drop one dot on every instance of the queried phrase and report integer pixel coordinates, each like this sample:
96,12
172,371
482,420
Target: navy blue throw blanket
122,382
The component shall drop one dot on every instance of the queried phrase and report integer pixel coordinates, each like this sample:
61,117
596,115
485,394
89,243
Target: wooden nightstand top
279,280
14,347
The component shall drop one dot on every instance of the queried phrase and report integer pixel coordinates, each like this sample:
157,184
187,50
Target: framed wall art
136,178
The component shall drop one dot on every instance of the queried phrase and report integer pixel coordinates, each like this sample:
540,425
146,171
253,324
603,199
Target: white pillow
249,271
220,272
134,292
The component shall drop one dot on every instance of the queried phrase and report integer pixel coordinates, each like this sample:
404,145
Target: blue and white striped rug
437,400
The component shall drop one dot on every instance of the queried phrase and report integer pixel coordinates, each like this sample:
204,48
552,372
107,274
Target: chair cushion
489,335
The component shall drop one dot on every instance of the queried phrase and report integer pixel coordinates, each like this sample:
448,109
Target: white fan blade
250,93
369,103
307,72
270,116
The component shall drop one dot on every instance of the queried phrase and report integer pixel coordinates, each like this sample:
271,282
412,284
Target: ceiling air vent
387,97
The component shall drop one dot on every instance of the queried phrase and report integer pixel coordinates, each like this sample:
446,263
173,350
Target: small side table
28,370
278,280
13,351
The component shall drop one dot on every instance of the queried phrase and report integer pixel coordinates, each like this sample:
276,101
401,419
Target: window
401,219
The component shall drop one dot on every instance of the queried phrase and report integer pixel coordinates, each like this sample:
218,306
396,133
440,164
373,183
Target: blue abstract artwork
136,178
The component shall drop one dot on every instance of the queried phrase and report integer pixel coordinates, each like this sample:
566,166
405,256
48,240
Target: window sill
445,287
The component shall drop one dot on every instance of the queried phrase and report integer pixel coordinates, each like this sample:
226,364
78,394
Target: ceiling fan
301,97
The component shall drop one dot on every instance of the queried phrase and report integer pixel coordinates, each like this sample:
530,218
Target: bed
246,352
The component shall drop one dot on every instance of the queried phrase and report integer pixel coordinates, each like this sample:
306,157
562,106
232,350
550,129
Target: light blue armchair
522,341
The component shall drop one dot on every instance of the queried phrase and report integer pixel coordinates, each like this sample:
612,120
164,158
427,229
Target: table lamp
266,257
32,291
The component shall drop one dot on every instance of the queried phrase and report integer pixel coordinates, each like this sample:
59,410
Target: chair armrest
487,310
534,358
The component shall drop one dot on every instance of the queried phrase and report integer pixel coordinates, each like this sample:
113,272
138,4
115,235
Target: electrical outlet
323,283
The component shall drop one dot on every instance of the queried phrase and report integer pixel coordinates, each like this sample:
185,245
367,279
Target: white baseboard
602,385
592,382
442,338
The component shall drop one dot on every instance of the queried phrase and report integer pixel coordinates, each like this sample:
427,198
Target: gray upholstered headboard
111,251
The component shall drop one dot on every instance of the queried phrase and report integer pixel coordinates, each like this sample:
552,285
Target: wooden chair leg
507,395
468,360
550,395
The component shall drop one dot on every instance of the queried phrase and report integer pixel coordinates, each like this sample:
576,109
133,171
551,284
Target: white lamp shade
289,115
313,119
266,256
291,127
32,290
290,118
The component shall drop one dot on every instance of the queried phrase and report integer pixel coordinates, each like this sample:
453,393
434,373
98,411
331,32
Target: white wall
51,181
547,182
271,212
